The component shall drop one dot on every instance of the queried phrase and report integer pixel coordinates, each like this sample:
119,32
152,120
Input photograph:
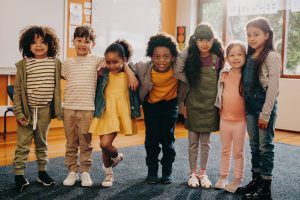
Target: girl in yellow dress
116,107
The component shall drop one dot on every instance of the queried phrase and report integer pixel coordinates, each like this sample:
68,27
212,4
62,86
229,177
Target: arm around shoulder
179,65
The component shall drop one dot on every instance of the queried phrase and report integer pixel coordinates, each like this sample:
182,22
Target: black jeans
160,119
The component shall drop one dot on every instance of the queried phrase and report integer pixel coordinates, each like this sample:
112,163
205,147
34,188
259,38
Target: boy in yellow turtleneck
158,94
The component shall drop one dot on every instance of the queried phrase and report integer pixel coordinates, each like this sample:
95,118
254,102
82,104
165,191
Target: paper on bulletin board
295,6
87,11
88,18
71,35
76,14
88,5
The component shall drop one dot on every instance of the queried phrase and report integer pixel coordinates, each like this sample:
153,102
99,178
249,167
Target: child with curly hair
158,94
37,99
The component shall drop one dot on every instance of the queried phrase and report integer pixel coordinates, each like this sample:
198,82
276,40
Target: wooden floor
56,142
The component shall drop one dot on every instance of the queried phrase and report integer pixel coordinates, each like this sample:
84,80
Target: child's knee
105,145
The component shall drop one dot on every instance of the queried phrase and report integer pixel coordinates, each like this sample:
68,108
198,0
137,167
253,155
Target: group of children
103,95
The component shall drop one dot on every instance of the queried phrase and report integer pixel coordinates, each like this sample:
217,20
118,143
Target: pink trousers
232,136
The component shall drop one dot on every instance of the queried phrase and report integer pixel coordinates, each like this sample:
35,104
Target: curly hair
162,40
264,25
193,62
31,32
85,31
122,47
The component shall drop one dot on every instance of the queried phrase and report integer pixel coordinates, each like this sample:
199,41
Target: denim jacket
100,99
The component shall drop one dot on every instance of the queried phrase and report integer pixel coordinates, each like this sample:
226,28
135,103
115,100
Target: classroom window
212,13
284,17
293,43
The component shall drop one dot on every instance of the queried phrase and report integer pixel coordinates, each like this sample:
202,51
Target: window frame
285,18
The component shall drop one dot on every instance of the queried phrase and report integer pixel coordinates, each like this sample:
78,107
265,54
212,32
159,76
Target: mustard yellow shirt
164,86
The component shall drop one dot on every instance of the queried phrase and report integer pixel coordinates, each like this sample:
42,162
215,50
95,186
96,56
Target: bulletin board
79,12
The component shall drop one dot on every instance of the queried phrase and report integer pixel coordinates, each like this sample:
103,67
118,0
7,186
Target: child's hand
100,72
23,122
132,81
184,112
262,124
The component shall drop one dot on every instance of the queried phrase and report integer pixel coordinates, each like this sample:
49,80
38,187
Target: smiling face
236,57
162,58
114,62
83,46
39,47
204,46
256,38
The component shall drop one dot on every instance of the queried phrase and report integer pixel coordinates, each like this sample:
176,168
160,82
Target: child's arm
101,66
132,80
273,63
63,71
17,99
179,65
220,85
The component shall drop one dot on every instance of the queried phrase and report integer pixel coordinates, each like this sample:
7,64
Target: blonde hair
236,43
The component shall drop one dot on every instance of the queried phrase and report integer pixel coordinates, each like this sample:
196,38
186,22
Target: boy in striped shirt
80,73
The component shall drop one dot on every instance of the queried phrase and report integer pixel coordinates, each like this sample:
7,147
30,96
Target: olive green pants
25,134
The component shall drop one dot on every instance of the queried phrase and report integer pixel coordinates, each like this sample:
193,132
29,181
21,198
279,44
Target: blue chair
10,92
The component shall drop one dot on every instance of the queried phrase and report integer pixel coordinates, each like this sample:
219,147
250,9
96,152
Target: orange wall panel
168,14
3,90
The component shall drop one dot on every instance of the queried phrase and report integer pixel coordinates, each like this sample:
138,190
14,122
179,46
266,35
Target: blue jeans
261,144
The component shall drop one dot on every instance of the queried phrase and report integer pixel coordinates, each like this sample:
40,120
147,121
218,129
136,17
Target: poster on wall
76,14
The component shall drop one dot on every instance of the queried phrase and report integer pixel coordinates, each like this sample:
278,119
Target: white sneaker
108,181
117,159
71,179
193,180
204,181
221,183
86,180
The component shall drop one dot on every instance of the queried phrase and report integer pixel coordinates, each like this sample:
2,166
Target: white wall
16,15
289,105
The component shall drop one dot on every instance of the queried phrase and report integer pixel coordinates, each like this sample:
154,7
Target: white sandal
193,180
204,181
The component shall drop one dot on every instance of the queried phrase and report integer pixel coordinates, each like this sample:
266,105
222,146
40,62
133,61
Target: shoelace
108,177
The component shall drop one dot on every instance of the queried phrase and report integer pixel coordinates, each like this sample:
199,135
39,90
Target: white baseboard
3,109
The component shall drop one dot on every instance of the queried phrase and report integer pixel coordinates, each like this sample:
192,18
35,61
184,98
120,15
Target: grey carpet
131,172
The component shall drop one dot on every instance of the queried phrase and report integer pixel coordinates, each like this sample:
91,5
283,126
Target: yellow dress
116,116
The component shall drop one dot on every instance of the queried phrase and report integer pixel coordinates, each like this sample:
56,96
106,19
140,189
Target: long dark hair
193,61
243,47
264,25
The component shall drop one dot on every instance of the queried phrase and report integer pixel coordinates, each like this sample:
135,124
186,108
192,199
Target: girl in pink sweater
232,116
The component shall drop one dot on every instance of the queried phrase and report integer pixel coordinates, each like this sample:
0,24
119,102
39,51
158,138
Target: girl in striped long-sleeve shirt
261,86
